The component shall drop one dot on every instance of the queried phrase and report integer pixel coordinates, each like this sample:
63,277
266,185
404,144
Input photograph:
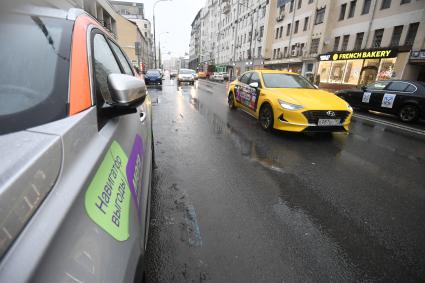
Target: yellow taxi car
289,102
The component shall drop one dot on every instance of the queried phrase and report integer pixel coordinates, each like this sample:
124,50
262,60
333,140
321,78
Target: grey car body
56,165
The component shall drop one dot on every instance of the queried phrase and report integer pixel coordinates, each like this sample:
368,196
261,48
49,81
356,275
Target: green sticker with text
107,199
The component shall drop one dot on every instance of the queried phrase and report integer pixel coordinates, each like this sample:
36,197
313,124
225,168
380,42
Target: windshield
153,73
34,70
183,71
285,81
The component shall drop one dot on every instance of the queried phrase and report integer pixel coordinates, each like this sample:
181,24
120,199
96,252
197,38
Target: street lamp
159,47
154,31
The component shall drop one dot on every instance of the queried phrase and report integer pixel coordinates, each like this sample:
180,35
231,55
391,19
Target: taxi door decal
134,173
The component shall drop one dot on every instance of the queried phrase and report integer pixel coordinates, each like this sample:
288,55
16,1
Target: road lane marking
394,125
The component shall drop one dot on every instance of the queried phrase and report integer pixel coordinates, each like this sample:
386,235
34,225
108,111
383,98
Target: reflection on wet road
232,203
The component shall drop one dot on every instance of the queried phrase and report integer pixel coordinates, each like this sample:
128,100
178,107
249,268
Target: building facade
134,12
335,43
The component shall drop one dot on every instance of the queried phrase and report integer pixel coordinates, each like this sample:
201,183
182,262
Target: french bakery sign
364,54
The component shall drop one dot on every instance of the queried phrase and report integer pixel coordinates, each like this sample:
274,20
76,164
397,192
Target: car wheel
231,101
266,117
408,113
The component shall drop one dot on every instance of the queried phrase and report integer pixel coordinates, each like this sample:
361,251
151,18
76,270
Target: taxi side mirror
126,91
254,85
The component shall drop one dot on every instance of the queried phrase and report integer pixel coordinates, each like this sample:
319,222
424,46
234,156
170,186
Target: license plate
329,122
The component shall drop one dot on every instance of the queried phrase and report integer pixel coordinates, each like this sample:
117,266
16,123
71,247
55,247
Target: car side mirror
316,87
126,91
254,84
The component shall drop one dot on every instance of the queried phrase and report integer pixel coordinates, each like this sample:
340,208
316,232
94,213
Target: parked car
202,75
289,102
153,77
217,77
76,138
225,76
185,76
403,98
173,74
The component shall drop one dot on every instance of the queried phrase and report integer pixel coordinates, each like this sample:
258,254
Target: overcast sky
174,17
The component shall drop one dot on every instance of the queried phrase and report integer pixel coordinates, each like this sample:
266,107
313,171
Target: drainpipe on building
292,31
364,46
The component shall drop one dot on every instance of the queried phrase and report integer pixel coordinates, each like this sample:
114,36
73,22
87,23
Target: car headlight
290,106
349,108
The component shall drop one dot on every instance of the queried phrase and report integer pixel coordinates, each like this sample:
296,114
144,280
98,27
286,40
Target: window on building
288,30
305,23
314,47
297,23
352,9
324,71
342,11
352,72
345,40
336,43
285,51
404,2
385,4
302,49
377,38
274,53
366,7
359,41
310,1
279,55
291,6
261,31
386,69
411,34
337,71
320,16
259,52
395,38
277,33
299,4
280,31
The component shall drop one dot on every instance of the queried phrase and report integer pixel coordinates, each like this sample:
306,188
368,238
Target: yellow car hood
314,99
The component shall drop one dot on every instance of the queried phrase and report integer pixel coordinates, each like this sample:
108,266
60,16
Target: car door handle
142,117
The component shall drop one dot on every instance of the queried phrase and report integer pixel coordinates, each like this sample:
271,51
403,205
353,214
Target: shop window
395,39
342,11
352,71
336,43
411,34
345,40
385,4
324,70
337,72
320,16
377,38
359,41
386,69
366,7
352,9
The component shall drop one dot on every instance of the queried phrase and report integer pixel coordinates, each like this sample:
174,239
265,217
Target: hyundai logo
330,113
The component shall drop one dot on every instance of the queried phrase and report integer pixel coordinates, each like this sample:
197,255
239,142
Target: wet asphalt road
232,203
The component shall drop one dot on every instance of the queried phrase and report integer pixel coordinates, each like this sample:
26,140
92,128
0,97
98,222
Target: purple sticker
134,172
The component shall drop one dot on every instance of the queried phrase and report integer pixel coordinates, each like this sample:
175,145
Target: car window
255,78
410,88
377,85
245,78
122,59
278,80
153,73
104,64
397,86
34,70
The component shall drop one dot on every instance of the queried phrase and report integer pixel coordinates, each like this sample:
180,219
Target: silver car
77,151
